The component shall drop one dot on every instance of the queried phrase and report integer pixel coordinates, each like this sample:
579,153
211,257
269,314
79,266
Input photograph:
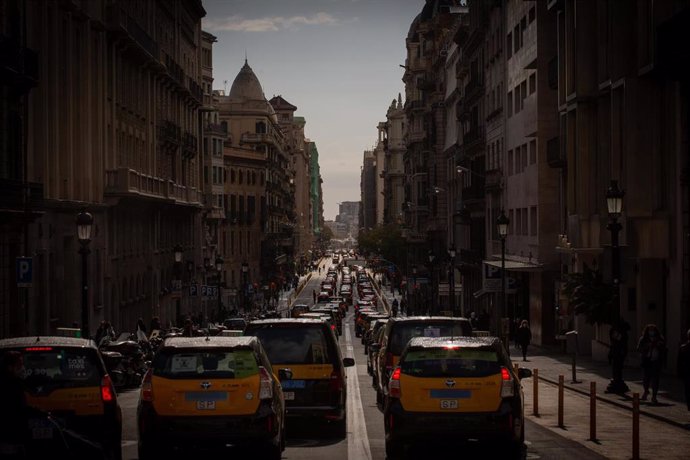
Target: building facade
125,147
393,178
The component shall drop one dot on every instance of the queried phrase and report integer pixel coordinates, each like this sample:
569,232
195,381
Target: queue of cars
432,378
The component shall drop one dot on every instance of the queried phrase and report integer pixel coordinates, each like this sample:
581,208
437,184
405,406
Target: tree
383,240
591,296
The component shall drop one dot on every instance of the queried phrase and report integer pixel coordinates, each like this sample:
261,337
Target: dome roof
246,86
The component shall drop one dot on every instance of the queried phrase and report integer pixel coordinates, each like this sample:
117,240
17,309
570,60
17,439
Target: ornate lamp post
84,224
178,250
619,331
245,286
502,223
219,269
434,291
451,281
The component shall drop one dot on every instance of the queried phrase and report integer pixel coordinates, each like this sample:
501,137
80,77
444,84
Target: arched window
253,178
232,176
239,177
260,127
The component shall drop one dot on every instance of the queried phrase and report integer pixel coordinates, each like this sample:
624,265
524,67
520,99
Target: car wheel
340,428
394,450
272,452
513,451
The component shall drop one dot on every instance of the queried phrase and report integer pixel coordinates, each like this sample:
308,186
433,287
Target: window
518,222
232,176
510,103
511,223
516,39
294,345
523,26
260,127
509,42
532,83
518,99
533,220
525,223
240,177
523,93
532,15
510,162
532,152
524,156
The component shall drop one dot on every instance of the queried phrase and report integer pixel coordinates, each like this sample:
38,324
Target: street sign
177,285
193,290
492,278
24,271
204,291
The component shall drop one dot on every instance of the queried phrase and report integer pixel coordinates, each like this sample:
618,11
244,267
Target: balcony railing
119,20
216,129
128,182
494,180
170,132
190,146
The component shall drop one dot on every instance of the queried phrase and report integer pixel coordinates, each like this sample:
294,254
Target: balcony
473,90
216,129
494,180
258,138
124,182
416,136
119,21
190,145
196,90
169,134
12,194
19,65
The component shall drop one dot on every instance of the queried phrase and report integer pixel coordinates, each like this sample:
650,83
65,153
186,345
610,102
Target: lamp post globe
219,264
614,200
84,224
178,250
502,223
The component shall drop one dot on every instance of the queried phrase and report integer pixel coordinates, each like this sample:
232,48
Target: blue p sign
24,271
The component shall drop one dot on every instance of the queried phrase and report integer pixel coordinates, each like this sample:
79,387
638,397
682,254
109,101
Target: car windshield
294,345
404,331
51,367
202,363
450,362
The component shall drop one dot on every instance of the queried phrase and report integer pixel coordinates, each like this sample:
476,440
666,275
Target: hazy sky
336,60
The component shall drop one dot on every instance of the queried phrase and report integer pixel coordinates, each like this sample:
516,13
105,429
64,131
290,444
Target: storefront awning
516,266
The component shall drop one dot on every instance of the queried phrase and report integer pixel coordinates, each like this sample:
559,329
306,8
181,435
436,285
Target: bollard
516,366
636,427
560,401
535,392
592,411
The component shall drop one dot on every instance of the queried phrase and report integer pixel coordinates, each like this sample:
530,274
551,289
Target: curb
658,417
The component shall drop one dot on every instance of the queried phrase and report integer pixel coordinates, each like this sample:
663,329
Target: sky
338,61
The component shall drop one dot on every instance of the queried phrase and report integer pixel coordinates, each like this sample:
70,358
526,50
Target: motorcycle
125,359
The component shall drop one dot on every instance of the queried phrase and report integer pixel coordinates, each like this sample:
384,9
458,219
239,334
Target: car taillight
507,384
147,387
333,327
394,384
265,384
107,389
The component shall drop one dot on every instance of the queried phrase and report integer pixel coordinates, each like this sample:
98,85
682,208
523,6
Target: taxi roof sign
68,332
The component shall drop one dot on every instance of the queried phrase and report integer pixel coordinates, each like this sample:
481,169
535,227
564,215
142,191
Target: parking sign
24,271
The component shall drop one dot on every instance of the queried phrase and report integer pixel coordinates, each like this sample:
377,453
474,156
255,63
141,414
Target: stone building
394,177
622,75
111,127
258,234
368,190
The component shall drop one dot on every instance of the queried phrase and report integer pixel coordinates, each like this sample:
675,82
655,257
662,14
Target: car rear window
404,331
450,362
294,345
60,367
205,363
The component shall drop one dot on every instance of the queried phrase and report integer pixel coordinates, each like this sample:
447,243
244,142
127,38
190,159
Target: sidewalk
614,425
670,409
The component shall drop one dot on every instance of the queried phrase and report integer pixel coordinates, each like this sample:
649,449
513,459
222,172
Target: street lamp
433,287
219,269
451,281
84,224
502,223
618,333
245,274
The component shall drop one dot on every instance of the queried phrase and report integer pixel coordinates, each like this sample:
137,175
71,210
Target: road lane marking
357,437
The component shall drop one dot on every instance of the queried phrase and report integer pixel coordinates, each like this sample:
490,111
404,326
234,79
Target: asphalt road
365,438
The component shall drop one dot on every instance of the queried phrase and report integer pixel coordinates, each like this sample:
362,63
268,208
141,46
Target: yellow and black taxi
66,378
455,388
399,330
315,387
211,392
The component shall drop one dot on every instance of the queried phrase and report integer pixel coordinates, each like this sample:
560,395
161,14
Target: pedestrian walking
155,323
14,416
313,294
403,306
524,336
395,307
684,367
474,322
652,348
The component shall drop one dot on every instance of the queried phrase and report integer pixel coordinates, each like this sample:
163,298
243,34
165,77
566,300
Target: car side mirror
524,373
285,374
348,362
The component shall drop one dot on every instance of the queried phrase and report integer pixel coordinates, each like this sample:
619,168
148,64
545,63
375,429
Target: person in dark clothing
652,348
313,294
524,337
188,330
141,326
684,367
14,416
155,323
395,307
618,339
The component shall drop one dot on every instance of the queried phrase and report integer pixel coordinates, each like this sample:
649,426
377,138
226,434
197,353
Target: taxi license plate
289,395
449,404
206,405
